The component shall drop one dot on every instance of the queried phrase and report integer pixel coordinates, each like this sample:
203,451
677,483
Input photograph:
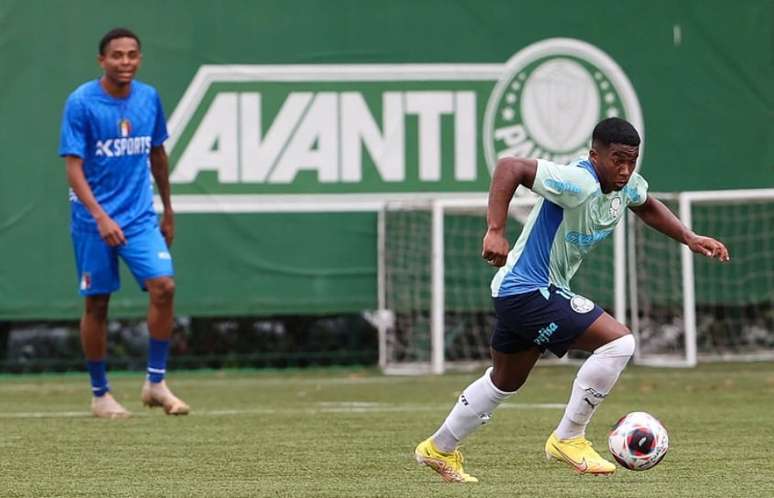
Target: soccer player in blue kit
581,204
112,140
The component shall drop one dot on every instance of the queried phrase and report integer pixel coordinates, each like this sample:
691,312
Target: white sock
596,377
473,409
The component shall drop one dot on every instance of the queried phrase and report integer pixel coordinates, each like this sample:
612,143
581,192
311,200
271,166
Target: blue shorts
145,253
549,318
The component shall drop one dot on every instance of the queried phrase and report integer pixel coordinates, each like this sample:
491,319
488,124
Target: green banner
281,112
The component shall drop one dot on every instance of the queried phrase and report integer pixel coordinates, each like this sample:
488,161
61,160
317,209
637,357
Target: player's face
615,165
121,60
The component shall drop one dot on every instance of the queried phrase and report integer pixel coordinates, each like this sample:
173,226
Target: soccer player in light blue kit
581,204
112,140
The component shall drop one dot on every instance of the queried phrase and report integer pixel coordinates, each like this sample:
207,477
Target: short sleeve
72,136
566,186
636,190
160,133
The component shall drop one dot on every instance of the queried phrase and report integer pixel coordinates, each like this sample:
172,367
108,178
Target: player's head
615,146
119,55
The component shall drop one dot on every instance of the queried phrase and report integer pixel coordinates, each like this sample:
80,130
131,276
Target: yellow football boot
578,453
448,465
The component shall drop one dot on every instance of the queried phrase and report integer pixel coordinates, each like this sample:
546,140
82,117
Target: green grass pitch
351,433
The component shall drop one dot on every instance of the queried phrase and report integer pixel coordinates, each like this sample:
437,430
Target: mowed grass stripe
351,433
324,407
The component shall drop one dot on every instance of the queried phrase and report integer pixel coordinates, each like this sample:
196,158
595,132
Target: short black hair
615,131
114,34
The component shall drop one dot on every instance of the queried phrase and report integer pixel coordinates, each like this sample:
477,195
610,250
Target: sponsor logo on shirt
125,146
586,239
559,187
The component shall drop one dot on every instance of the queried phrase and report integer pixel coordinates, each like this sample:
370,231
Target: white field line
288,382
343,407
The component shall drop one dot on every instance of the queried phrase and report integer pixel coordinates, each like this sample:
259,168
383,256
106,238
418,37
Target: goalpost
686,308
435,310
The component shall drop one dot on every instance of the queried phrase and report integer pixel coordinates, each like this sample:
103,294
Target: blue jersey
114,137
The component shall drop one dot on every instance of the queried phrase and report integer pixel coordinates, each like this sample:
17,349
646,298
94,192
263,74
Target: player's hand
168,227
709,247
110,232
495,250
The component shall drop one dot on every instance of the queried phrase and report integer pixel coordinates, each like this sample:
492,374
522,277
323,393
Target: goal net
687,308
435,288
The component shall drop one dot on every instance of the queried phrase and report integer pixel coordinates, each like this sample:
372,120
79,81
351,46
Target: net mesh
659,321
734,302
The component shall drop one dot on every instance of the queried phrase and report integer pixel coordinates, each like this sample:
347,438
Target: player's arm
160,171
109,230
509,173
655,214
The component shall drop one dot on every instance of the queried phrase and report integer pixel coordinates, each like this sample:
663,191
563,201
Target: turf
351,433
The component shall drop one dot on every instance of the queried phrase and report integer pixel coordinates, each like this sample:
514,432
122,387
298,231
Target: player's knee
506,381
96,307
162,290
624,346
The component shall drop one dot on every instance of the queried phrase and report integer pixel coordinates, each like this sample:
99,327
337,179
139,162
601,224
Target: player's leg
98,277
94,343
161,298
475,405
513,359
155,392
473,409
94,332
147,256
611,345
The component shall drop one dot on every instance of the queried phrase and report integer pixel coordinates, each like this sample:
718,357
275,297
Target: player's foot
578,453
448,465
106,406
158,394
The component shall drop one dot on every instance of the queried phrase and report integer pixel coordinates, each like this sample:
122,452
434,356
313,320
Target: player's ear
593,154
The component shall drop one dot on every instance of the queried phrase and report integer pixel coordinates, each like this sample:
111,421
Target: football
638,441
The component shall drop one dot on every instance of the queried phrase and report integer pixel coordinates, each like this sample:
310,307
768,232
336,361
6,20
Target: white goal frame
686,201
624,267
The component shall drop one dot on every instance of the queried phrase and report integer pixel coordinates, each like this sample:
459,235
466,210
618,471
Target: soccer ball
638,441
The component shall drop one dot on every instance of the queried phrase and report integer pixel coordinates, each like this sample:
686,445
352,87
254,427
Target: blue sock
99,382
157,360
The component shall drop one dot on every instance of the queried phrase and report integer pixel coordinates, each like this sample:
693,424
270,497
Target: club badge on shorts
581,305
86,281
